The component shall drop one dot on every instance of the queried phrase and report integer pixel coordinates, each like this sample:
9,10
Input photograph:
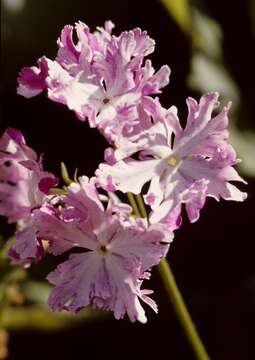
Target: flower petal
130,175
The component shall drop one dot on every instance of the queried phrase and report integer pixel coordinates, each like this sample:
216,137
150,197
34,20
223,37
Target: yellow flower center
172,161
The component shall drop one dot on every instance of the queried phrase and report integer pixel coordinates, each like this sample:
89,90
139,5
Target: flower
182,165
117,254
101,77
23,187
32,80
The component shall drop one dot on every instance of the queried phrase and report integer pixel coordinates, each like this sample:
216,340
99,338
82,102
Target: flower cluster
106,80
102,77
24,186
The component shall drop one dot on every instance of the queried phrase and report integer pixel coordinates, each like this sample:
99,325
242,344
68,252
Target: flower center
102,249
105,101
172,161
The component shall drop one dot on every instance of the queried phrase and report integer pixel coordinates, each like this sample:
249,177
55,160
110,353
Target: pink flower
23,187
196,163
32,80
119,254
101,77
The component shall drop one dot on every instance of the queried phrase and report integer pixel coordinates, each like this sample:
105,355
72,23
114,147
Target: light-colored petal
69,90
218,179
62,235
159,80
74,280
147,246
155,193
130,175
68,53
84,198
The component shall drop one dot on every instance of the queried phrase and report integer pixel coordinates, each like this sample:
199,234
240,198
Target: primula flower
101,77
23,187
197,162
116,258
104,79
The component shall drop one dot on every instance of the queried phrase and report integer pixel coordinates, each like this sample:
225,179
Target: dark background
213,259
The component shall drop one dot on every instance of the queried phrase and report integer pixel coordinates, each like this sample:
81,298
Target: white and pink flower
117,254
102,77
182,165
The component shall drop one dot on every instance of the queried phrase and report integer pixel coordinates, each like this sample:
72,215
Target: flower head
101,77
115,256
185,168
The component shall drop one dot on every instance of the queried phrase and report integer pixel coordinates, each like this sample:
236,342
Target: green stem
181,310
141,206
65,174
132,202
175,296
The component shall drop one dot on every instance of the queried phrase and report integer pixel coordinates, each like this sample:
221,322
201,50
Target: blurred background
209,45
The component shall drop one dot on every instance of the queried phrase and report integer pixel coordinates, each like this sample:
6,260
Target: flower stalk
174,294
133,204
181,310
